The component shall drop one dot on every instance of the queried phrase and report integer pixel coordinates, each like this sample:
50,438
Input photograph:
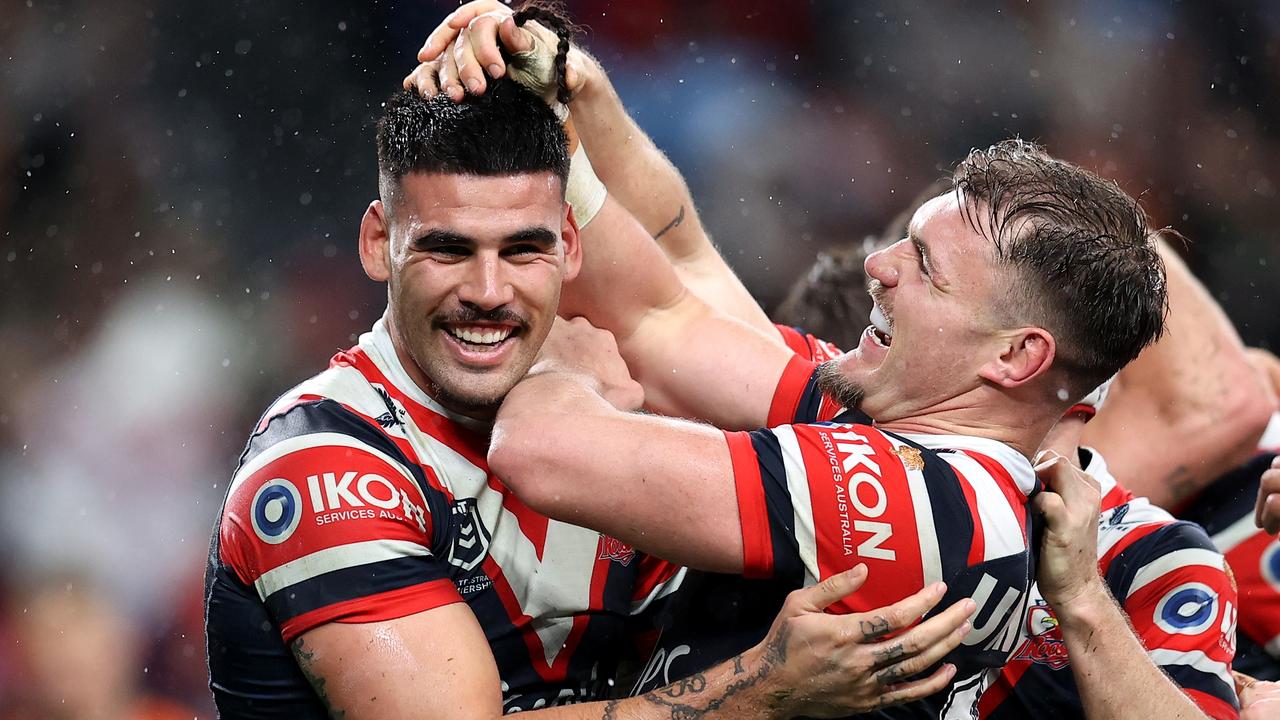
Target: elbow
522,456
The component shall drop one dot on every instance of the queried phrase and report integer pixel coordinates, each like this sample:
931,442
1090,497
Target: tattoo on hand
675,223
893,652
306,658
890,675
875,628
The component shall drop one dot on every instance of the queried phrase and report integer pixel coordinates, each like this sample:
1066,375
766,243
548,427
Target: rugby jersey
1175,588
358,499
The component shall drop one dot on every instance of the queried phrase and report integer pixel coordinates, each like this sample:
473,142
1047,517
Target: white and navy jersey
360,499
1225,509
816,499
1175,588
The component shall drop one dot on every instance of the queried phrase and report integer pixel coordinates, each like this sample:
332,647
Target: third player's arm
1193,398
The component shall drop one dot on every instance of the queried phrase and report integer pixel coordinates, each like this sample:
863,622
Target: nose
486,285
882,265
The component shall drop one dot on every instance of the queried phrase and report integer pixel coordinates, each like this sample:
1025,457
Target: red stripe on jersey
977,548
390,605
757,541
1000,690
277,412
1007,486
795,341
843,482
1214,707
1123,543
1259,597
1141,607
345,495
1115,497
652,572
786,397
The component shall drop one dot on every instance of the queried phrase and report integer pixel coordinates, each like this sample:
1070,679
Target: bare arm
1193,398
1114,675
437,665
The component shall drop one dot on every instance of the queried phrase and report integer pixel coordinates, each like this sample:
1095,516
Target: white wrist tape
536,69
584,192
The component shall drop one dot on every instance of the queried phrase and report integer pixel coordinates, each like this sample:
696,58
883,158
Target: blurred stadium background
182,183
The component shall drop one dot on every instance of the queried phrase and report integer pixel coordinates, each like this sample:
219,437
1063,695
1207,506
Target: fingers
447,80
1076,488
818,597
923,645
483,34
515,38
424,80
444,34
464,59
918,689
877,624
1244,686
1267,510
1050,505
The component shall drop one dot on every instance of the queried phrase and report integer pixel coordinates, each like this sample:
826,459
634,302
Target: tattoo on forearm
1181,484
306,658
693,698
675,223
875,628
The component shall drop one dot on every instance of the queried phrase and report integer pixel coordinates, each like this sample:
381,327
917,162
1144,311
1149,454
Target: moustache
470,315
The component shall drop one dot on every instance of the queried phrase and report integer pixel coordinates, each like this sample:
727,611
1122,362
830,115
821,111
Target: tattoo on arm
306,658
675,223
1181,484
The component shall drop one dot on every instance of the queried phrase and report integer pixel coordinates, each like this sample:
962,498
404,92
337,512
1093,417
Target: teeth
880,322
481,335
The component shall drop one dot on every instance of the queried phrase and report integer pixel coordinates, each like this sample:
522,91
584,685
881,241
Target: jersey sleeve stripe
389,605
1002,530
1115,543
1171,562
1213,706
1237,532
791,390
757,544
798,486
340,557
1194,659
315,440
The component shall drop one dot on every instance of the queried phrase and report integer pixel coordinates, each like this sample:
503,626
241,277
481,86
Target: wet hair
830,299
1078,258
506,131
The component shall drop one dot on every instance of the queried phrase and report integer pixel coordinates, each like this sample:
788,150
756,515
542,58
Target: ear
375,243
1025,356
572,244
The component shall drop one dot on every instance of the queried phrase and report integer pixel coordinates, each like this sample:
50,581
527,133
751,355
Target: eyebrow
441,237
540,236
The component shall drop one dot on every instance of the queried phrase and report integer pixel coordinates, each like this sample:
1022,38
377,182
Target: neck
1020,425
425,384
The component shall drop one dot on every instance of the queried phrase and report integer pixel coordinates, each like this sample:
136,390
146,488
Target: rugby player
367,564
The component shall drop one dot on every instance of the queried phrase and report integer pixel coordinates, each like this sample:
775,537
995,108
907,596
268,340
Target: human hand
1259,700
1070,502
824,665
577,347
1266,513
469,44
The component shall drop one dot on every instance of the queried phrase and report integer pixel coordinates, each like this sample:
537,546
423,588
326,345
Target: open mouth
881,328
481,337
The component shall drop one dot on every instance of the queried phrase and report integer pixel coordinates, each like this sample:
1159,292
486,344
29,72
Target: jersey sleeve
330,526
1179,596
798,399
808,345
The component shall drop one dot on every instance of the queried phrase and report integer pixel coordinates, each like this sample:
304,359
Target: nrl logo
911,457
471,538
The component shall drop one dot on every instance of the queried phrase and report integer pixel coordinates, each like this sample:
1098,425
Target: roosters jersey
1176,590
360,499
816,499
806,345
1225,510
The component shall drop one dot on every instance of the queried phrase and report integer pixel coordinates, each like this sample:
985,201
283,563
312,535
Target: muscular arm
1193,398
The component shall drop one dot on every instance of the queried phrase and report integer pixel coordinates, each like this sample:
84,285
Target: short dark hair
506,131
1085,264
830,299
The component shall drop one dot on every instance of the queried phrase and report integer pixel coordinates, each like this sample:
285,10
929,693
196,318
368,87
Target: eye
452,252
521,251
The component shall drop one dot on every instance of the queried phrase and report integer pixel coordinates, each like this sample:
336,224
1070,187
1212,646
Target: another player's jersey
817,499
1178,594
806,345
361,499
1226,510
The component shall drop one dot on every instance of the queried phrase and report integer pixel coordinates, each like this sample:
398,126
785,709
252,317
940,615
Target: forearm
1114,675
641,178
1194,396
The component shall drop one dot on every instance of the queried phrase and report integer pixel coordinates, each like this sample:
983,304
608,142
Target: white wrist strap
584,192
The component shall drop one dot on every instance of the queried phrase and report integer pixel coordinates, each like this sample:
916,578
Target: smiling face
933,335
474,266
